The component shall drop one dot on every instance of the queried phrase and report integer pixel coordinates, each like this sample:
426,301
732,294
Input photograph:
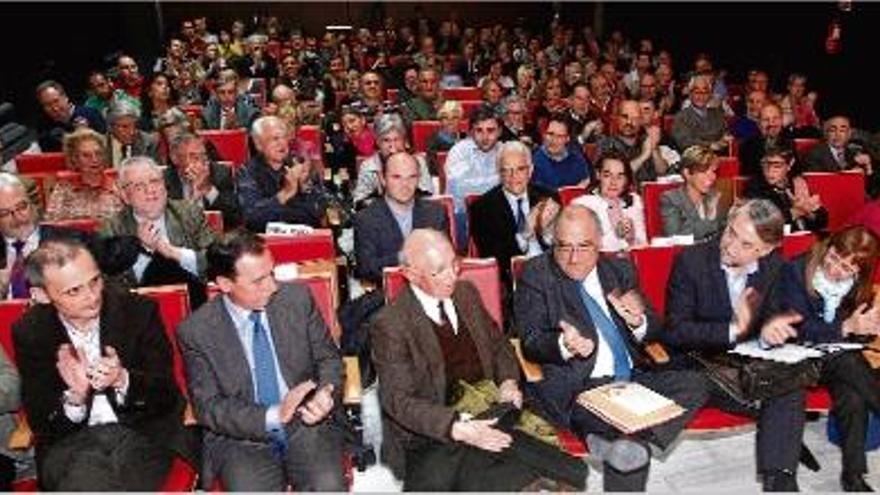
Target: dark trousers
780,427
162,271
854,393
687,388
105,458
445,467
7,473
312,461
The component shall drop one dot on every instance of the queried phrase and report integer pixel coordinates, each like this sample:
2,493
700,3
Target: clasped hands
311,410
81,376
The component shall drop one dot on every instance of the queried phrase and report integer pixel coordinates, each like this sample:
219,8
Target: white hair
262,124
137,161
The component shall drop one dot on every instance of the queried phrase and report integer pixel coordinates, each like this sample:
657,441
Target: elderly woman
126,140
617,205
450,115
826,295
694,208
802,210
390,134
94,195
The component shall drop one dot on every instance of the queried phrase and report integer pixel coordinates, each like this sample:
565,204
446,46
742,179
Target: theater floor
724,463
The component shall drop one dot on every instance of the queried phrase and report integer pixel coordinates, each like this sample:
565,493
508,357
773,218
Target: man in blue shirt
556,163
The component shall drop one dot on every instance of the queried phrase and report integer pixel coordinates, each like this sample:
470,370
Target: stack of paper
628,406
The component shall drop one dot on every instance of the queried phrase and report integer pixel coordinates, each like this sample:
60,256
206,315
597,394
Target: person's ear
224,283
39,295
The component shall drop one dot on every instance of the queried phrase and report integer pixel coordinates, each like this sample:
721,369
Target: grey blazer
680,216
219,377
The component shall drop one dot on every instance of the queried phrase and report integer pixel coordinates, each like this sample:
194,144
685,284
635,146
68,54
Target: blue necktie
18,283
268,393
610,333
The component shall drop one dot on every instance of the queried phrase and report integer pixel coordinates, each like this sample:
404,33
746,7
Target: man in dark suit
192,176
125,140
712,302
842,150
253,356
21,233
435,334
379,229
97,380
173,234
583,318
228,109
772,135
514,217
61,116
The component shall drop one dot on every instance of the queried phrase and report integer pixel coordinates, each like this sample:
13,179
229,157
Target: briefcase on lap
750,380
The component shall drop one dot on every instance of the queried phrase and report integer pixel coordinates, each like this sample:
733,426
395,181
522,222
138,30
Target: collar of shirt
431,306
88,340
512,201
560,158
30,243
736,281
240,316
159,222
593,286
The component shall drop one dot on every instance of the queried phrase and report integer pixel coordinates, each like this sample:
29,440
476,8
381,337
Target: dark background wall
65,40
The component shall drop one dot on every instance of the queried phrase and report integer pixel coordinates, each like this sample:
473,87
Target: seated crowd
542,151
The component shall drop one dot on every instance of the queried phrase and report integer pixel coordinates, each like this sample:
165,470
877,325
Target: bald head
429,262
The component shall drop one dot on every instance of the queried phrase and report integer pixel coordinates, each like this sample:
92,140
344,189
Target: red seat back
391,95
802,146
10,311
312,135
483,273
173,301
29,163
739,187
795,244
567,194
214,218
842,194
441,169
728,166
467,106
653,219
231,145
654,265
463,93
469,201
295,248
422,130
446,201
87,225
668,121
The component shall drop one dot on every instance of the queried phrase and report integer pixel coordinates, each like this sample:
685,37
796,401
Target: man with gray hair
126,140
390,132
712,303
514,217
513,112
584,319
195,177
274,188
173,234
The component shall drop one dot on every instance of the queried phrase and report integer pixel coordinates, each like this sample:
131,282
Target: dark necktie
610,333
520,216
18,284
444,318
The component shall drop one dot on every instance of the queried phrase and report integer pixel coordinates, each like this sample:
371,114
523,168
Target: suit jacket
494,226
378,239
698,306
689,129
544,296
130,324
759,188
226,201
820,159
219,377
245,113
752,150
680,216
184,221
144,145
411,369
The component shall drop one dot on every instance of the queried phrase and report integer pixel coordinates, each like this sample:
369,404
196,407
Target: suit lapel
282,340
425,338
174,226
397,235
228,344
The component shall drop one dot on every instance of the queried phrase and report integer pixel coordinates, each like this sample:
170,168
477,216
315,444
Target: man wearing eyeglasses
583,319
513,218
173,233
22,234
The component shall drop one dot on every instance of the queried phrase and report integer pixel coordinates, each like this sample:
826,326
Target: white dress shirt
604,366
736,284
528,246
431,305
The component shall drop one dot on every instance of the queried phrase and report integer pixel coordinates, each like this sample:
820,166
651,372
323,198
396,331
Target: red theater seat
214,218
231,145
567,194
29,163
842,194
802,146
295,248
483,273
795,244
728,166
651,195
88,225
467,106
654,265
312,135
463,93
422,130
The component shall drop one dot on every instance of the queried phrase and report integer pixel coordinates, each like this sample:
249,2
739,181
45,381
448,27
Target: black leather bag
749,380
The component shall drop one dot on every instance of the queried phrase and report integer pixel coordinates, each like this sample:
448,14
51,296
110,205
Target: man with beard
638,142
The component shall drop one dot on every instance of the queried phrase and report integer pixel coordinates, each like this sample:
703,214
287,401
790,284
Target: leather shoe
780,480
854,482
623,454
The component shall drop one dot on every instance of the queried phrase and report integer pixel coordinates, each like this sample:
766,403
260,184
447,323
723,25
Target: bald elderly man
435,334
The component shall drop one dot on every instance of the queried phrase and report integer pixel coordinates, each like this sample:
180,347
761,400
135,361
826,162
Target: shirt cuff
74,413
122,392
566,354
188,261
640,331
273,418
732,331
